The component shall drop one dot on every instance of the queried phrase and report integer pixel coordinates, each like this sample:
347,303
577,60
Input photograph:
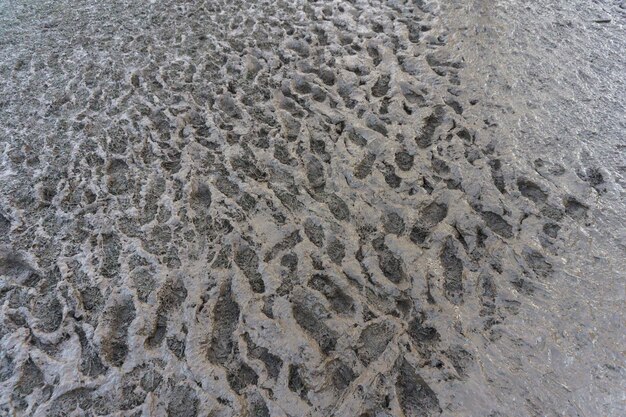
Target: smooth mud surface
331,208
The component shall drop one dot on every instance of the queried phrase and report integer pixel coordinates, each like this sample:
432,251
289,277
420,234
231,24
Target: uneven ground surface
331,208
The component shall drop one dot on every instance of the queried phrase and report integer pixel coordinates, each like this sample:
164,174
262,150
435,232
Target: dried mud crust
256,208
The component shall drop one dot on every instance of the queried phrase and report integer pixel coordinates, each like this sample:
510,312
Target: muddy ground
331,208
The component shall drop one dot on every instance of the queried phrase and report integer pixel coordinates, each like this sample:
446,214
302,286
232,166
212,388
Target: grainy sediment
293,208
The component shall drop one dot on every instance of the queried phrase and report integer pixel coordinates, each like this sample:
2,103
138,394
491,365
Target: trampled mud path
289,208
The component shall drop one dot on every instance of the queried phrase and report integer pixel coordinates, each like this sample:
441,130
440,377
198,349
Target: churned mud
297,208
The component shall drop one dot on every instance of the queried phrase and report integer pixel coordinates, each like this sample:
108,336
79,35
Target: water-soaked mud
331,208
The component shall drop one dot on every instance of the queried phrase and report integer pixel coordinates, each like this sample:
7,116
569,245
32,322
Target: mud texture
331,208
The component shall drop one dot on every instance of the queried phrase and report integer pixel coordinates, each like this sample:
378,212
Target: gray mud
332,208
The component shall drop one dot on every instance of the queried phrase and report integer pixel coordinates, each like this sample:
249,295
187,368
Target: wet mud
332,208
